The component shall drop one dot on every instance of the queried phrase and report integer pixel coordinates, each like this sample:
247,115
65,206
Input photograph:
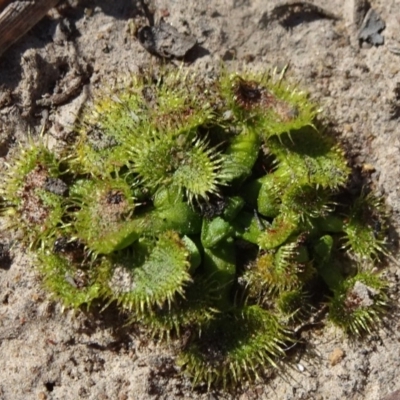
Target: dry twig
18,16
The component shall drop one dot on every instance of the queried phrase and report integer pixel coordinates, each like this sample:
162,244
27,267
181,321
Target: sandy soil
50,353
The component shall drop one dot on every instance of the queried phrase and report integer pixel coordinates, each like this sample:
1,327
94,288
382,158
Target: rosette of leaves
213,210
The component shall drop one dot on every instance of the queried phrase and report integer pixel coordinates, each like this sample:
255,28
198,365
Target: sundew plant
212,209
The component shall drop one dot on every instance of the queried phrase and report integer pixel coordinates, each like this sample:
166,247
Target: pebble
336,356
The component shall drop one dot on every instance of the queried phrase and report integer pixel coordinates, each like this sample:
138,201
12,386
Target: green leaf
279,231
311,158
34,194
75,284
365,228
220,266
240,156
156,281
358,303
215,230
236,346
104,220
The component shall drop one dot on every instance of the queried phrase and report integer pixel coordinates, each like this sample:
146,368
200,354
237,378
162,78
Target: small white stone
301,367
